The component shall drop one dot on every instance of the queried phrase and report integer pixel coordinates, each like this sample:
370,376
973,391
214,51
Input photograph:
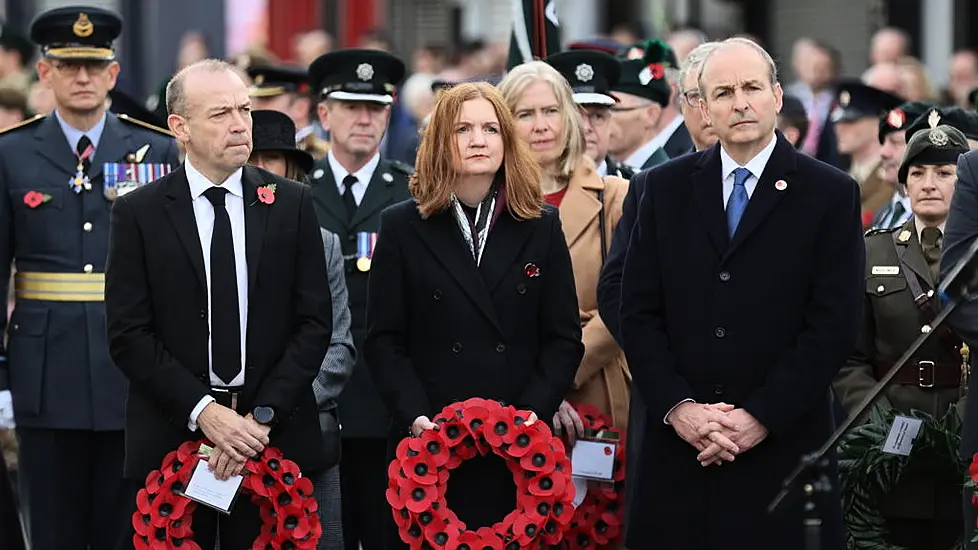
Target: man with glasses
58,177
643,92
700,131
590,75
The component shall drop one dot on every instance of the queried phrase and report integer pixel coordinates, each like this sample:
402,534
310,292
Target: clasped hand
236,439
719,431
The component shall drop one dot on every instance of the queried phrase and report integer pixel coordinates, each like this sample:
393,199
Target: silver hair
694,62
176,97
738,40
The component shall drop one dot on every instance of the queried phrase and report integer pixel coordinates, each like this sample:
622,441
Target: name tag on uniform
886,270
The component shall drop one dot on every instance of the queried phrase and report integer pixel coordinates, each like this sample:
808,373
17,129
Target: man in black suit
351,185
740,300
218,311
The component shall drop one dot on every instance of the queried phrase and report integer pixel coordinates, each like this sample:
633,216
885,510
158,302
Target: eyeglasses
72,68
597,119
692,98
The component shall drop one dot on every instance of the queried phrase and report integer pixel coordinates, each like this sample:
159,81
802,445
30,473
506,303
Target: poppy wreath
597,521
289,512
418,479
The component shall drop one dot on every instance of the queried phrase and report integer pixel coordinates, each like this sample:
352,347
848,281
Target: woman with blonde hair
548,119
471,292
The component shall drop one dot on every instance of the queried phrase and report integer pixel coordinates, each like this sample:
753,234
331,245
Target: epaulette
148,126
880,231
23,123
401,167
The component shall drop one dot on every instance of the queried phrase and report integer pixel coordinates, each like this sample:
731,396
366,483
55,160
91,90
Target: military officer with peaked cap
58,177
351,186
902,264
893,128
286,89
591,74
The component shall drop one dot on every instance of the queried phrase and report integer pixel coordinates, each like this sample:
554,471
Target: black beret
273,80
643,71
77,32
902,117
275,131
357,75
954,117
591,74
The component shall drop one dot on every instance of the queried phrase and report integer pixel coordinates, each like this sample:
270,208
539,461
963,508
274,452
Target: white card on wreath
902,434
208,490
593,459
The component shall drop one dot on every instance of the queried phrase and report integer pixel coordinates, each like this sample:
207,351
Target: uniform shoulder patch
881,231
148,126
23,124
401,167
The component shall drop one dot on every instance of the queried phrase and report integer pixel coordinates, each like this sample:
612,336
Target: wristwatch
263,415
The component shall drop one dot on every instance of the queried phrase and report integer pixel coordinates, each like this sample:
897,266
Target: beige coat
603,378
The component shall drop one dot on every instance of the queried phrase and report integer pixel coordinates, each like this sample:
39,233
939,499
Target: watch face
263,415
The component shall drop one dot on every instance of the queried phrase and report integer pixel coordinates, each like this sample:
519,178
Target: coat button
437,294
457,347
521,288
87,227
500,347
880,289
724,276
88,268
203,314
718,390
720,332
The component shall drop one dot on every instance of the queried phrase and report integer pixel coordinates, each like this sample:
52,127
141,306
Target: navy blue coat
762,322
60,372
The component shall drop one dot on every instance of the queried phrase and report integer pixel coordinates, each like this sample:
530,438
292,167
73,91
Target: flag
536,32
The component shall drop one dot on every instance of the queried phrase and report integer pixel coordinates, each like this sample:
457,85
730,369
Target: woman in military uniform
923,510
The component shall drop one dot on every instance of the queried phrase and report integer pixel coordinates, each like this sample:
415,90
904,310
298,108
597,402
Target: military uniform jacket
60,372
891,322
361,411
875,193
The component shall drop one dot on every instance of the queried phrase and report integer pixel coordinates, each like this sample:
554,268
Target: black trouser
11,537
71,487
363,487
925,534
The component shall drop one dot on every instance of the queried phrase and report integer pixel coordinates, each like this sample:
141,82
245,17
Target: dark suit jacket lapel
781,164
503,245
180,208
911,254
444,239
113,146
327,196
708,193
679,142
378,194
256,216
54,146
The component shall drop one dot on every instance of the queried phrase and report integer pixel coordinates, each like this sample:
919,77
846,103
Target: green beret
935,145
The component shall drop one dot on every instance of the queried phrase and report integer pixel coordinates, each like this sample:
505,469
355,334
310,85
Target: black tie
225,322
348,200
84,161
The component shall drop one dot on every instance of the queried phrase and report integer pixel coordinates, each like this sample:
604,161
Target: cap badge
365,71
584,72
83,27
896,118
635,53
938,137
259,80
844,98
934,119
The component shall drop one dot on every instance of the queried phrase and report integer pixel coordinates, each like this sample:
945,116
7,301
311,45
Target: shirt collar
602,168
73,134
663,136
199,182
363,175
755,165
637,159
919,227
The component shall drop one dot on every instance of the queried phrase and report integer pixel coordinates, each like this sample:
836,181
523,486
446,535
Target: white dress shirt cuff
204,401
665,419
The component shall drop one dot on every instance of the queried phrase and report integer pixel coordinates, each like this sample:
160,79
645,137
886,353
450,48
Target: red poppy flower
411,535
293,523
526,530
474,418
498,426
417,497
33,199
434,449
489,538
562,512
453,432
531,270
539,458
607,528
973,468
526,437
266,194
440,534
168,505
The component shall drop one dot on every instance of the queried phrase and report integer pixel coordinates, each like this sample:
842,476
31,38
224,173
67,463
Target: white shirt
204,214
888,221
363,175
756,167
603,168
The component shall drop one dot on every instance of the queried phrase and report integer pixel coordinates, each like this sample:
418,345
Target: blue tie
737,202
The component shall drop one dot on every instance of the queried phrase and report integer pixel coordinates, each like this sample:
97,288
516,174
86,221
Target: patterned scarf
475,233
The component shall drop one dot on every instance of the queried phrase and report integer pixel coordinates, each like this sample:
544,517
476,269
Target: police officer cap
357,75
274,131
272,80
591,74
902,117
645,76
954,117
12,40
937,144
77,33
856,100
